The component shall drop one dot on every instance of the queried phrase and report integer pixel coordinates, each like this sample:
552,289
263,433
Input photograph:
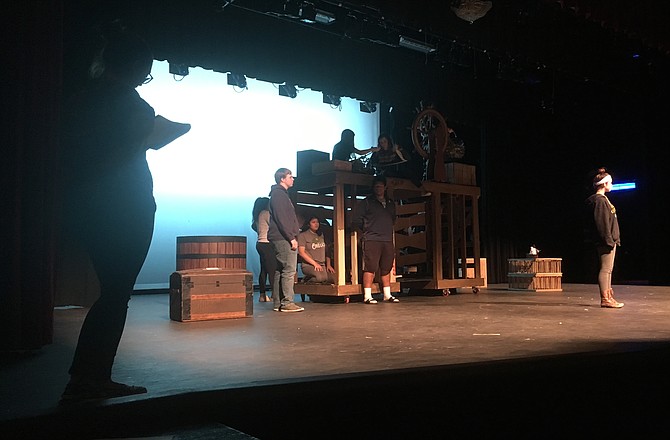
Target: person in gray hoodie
283,234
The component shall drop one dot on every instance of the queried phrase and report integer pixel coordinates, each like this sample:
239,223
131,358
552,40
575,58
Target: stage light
178,69
324,17
419,46
288,90
368,107
623,186
333,100
237,80
308,13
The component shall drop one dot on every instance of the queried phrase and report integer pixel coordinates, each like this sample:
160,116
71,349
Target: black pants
117,239
268,264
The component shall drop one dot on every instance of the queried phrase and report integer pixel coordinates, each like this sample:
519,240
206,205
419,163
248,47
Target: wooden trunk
205,294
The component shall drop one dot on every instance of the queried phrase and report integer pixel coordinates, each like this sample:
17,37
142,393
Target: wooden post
338,230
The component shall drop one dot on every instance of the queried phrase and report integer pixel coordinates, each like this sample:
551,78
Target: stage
496,363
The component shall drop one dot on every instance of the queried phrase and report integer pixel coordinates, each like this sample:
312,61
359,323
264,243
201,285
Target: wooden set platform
437,231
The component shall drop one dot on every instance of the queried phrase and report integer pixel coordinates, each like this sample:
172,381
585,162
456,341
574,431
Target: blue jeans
606,267
287,262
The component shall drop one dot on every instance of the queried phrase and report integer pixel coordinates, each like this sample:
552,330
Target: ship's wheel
430,135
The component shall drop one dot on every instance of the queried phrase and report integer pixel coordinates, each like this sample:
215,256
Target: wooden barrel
224,252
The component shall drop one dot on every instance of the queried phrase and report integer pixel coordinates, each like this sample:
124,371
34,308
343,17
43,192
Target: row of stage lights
238,80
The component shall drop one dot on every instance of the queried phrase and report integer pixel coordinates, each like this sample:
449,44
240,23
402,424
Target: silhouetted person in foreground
108,199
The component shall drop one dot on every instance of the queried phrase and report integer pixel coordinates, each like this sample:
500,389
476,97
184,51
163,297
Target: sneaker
291,307
81,390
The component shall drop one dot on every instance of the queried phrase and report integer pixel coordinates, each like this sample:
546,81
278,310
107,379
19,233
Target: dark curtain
32,71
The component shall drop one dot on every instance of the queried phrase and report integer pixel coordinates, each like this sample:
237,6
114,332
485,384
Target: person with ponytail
260,223
604,234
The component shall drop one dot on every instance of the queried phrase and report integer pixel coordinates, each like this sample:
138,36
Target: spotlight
333,100
419,46
178,69
288,90
308,13
324,17
237,80
368,107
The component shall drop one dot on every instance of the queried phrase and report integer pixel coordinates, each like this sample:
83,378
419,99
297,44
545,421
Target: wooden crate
535,274
205,294
200,252
330,166
460,173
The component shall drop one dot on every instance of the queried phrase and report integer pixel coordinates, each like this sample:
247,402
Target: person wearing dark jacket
376,218
283,234
604,234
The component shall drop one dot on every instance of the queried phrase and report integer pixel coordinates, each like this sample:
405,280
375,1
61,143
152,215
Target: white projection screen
205,182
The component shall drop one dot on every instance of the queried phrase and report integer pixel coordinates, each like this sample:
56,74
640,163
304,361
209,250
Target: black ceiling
619,45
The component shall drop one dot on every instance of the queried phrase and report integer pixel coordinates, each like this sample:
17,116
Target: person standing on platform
261,224
345,149
108,202
376,218
312,249
604,234
283,234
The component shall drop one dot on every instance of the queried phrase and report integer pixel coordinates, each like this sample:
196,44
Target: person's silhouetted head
348,136
124,56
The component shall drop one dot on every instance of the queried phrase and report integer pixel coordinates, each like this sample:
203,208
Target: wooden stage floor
495,363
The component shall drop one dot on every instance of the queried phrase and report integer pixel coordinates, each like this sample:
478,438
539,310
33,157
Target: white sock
387,292
367,292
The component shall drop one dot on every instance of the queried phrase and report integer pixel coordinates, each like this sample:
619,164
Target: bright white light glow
205,182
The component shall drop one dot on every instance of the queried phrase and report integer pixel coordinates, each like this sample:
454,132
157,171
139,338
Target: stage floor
325,362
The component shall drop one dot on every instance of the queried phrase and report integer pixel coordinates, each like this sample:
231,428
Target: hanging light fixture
368,107
237,80
419,46
288,90
333,100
